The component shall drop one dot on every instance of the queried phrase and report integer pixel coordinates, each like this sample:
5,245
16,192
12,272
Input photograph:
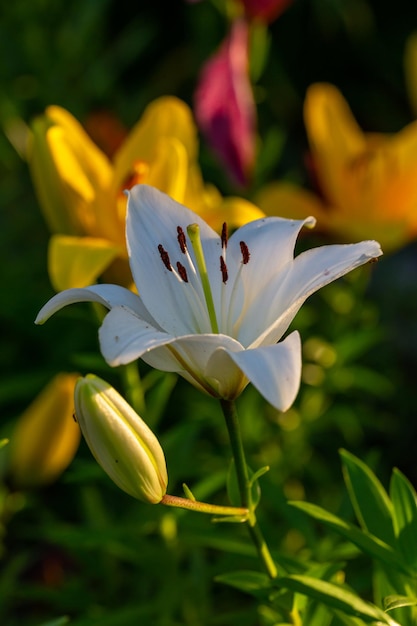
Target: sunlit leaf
404,499
336,597
365,541
396,602
369,499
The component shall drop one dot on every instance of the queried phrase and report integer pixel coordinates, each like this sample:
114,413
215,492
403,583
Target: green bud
120,441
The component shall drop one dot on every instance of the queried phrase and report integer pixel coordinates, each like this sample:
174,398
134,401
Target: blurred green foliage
82,549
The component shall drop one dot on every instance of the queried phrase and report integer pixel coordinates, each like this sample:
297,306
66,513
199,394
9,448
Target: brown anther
374,260
181,240
245,252
223,269
224,235
165,257
182,272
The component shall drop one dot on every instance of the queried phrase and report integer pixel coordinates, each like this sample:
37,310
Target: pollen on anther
223,269
245,252
182,272
224,235
165,257
181,240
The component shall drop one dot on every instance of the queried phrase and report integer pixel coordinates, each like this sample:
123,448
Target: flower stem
204,507
245,487
133,387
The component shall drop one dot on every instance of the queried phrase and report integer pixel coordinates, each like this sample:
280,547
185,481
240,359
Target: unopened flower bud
120,441
45,438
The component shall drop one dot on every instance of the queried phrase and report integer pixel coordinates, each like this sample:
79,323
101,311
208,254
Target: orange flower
368,181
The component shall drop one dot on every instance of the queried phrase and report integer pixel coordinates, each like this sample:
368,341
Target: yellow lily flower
81,191
368,181
45,438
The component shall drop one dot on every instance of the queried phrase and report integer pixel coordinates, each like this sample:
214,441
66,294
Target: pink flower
224,105
266,10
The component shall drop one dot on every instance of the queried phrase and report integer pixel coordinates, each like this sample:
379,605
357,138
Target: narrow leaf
369,499
366,542
335,596
404,499
254,583
396,602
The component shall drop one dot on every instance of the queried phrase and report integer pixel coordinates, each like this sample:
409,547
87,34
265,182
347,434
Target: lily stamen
224,236
245,252
165,257
182,272
181,240
223,269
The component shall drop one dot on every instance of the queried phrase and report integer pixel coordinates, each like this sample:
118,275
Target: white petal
274,370
107,295
310,271
152,220
124,337
270,243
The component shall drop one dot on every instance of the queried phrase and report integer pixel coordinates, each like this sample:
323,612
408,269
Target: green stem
133,387
204,507
233,427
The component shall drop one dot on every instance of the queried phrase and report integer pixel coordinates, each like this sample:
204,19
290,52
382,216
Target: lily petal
107,295
163,118
124,337
78,261
270,243
310,271
274,370
152,220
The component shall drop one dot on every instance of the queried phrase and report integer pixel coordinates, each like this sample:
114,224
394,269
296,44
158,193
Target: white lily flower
218,329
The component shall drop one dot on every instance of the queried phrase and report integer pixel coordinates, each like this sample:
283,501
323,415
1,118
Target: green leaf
396,602
335,596
404,499
365,541
254,583
369,499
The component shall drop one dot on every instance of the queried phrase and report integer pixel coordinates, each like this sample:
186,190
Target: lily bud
120,441
45,438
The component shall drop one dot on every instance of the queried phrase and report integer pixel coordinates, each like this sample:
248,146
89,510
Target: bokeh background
80,548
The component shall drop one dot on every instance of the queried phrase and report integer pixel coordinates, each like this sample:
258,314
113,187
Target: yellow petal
288,200
169,169
46,437
94,162
165,117
78,261
335,139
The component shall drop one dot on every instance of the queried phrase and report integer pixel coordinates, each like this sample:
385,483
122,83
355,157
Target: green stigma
193,231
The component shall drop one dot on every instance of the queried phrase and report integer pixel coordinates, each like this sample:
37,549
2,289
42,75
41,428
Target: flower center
199,293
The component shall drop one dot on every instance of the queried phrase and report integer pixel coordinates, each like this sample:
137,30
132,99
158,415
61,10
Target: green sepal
188,493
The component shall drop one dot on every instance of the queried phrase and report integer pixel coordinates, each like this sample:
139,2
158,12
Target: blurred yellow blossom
81,191
368,181
45,438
